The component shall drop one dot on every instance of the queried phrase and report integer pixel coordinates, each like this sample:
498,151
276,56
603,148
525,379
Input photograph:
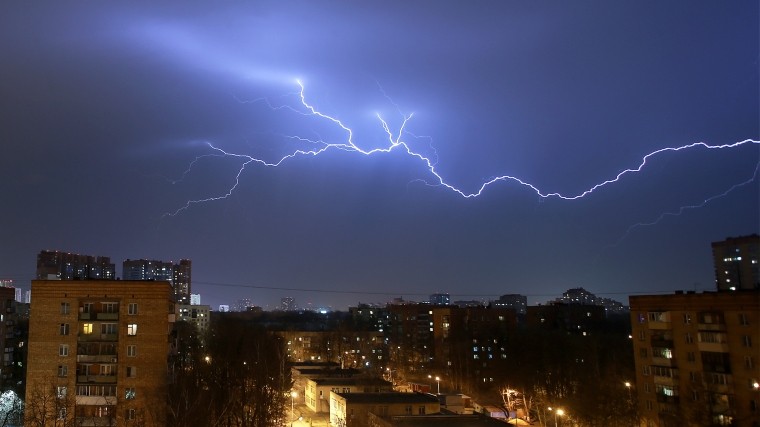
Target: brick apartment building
697,358
98,352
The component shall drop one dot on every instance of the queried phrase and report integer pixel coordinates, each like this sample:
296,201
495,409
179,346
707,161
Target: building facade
178,275
98,351
354,409
198,315
56,265
11,372
737,263
697,358
317,390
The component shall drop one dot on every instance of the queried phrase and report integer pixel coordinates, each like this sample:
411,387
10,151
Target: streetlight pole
293,396
559,412
438,383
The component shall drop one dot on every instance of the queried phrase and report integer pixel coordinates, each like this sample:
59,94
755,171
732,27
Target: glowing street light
557,412
628,386
438,383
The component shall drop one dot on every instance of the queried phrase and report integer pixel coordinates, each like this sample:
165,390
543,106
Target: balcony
661,398
716,347
85,316
669,381
107,316
660,325
711,326
663,361
96,379
97,337
95,421
97,358
96,400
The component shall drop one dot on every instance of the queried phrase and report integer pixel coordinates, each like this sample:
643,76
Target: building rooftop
351,381
444,420
391,397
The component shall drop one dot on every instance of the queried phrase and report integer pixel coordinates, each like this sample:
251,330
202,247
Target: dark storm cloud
105,105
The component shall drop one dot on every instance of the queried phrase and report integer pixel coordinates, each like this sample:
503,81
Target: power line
396,293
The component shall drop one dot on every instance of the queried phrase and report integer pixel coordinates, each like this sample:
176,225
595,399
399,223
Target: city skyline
116,115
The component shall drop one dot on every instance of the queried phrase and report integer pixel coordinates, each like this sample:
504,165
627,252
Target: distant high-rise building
583,297
243,304
182,281
736,263
27,297
440,299
195,299
178,275
18,293
143,269
55,265
224,308
518,302
288,304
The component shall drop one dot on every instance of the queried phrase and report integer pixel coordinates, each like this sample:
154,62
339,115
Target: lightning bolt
395,142
682,209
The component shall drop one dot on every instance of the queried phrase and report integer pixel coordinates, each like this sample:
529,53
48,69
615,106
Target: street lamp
293,396
438,383
628,386
559,412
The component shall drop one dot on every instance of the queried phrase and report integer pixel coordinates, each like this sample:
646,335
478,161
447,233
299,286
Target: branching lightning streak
683,209
395,142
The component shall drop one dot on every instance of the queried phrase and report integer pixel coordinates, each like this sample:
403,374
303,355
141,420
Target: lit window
87,328
60,392
132,329
129,393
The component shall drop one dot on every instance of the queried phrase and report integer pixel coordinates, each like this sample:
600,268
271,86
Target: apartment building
697,358
737,263
354,409
97,352
317,390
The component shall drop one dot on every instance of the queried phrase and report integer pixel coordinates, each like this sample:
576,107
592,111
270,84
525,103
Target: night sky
104,107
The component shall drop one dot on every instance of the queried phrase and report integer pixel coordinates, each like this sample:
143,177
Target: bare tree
48,404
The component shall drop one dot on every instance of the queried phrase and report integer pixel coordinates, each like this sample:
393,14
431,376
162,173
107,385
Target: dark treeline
549,367
237,376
